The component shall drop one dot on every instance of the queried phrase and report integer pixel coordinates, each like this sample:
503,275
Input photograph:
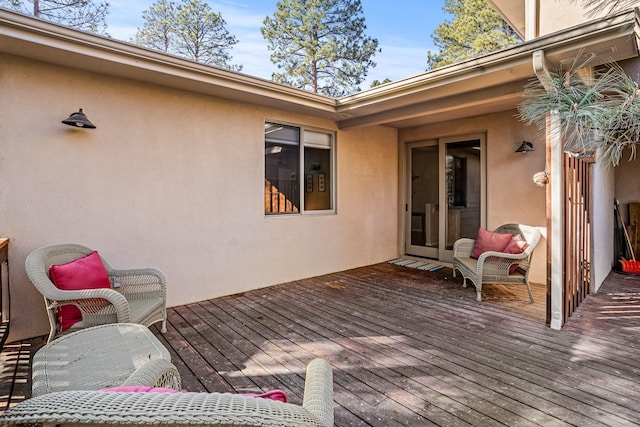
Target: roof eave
448,92
513,12
612,38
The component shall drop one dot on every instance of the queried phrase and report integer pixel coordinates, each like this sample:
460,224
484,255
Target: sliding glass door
445,194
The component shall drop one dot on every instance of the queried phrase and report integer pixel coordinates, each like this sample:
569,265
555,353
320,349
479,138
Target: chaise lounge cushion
490,241
83,273
278,395
138,389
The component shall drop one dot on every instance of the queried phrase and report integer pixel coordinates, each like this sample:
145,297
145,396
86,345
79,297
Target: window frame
330,176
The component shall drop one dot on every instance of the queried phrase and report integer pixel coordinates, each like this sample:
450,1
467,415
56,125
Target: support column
556,188
531,19
555,205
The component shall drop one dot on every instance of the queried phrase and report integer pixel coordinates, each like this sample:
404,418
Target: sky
403,29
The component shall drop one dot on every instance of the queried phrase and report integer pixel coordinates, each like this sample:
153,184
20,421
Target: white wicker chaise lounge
88,408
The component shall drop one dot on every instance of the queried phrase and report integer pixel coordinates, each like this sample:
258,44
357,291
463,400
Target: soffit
513,12
491,83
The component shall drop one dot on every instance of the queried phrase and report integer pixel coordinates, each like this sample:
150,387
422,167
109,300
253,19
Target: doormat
501,292
420,265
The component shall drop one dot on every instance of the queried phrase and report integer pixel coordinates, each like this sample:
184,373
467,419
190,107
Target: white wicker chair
140,298
87,408
493,267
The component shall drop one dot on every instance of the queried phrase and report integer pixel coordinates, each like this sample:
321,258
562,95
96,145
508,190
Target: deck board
414,348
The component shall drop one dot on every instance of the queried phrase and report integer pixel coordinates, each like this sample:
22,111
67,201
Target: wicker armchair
180,409
493,267
140,296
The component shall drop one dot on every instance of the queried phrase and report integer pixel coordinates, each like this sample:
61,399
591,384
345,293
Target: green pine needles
596,110
320,45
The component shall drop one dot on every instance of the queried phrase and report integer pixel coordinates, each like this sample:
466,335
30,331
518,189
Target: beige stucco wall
627,179
556,15
627,173
602,220
512,197
609,184
173,180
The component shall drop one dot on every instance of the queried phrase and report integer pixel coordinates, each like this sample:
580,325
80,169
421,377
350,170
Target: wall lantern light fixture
525,147
79,119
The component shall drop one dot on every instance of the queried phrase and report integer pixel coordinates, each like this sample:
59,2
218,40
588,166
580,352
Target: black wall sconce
525,147
79,119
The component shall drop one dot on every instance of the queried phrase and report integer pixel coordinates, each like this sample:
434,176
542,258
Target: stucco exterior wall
627,173
556,15
603,188
627,190
173,180
512,197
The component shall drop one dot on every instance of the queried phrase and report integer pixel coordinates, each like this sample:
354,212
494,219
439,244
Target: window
298,169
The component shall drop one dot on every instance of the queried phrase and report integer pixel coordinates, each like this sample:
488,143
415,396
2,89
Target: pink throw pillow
490,241
278,395
139,389
83,273
515,246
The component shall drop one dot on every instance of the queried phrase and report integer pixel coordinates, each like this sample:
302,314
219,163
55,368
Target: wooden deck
412,348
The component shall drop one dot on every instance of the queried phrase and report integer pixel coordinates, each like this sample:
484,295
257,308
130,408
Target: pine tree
320,45
201,34
158,30
190,30
476,29
83,15
377,82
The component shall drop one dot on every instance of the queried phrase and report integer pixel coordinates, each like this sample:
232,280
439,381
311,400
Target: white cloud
251,51
253,55
397,62
125,17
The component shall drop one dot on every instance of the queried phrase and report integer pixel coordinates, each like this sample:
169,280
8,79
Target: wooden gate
577,233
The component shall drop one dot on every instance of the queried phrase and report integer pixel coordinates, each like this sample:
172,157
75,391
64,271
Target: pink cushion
515,246
273,395
139,389
278,395
490,241
83,273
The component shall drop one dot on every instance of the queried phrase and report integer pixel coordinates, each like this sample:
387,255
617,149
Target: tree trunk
315,77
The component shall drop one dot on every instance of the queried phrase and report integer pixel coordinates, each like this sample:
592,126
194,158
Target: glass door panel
423,198
445,194
463,193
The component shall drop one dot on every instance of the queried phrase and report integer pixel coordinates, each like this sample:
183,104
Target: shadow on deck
409,347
